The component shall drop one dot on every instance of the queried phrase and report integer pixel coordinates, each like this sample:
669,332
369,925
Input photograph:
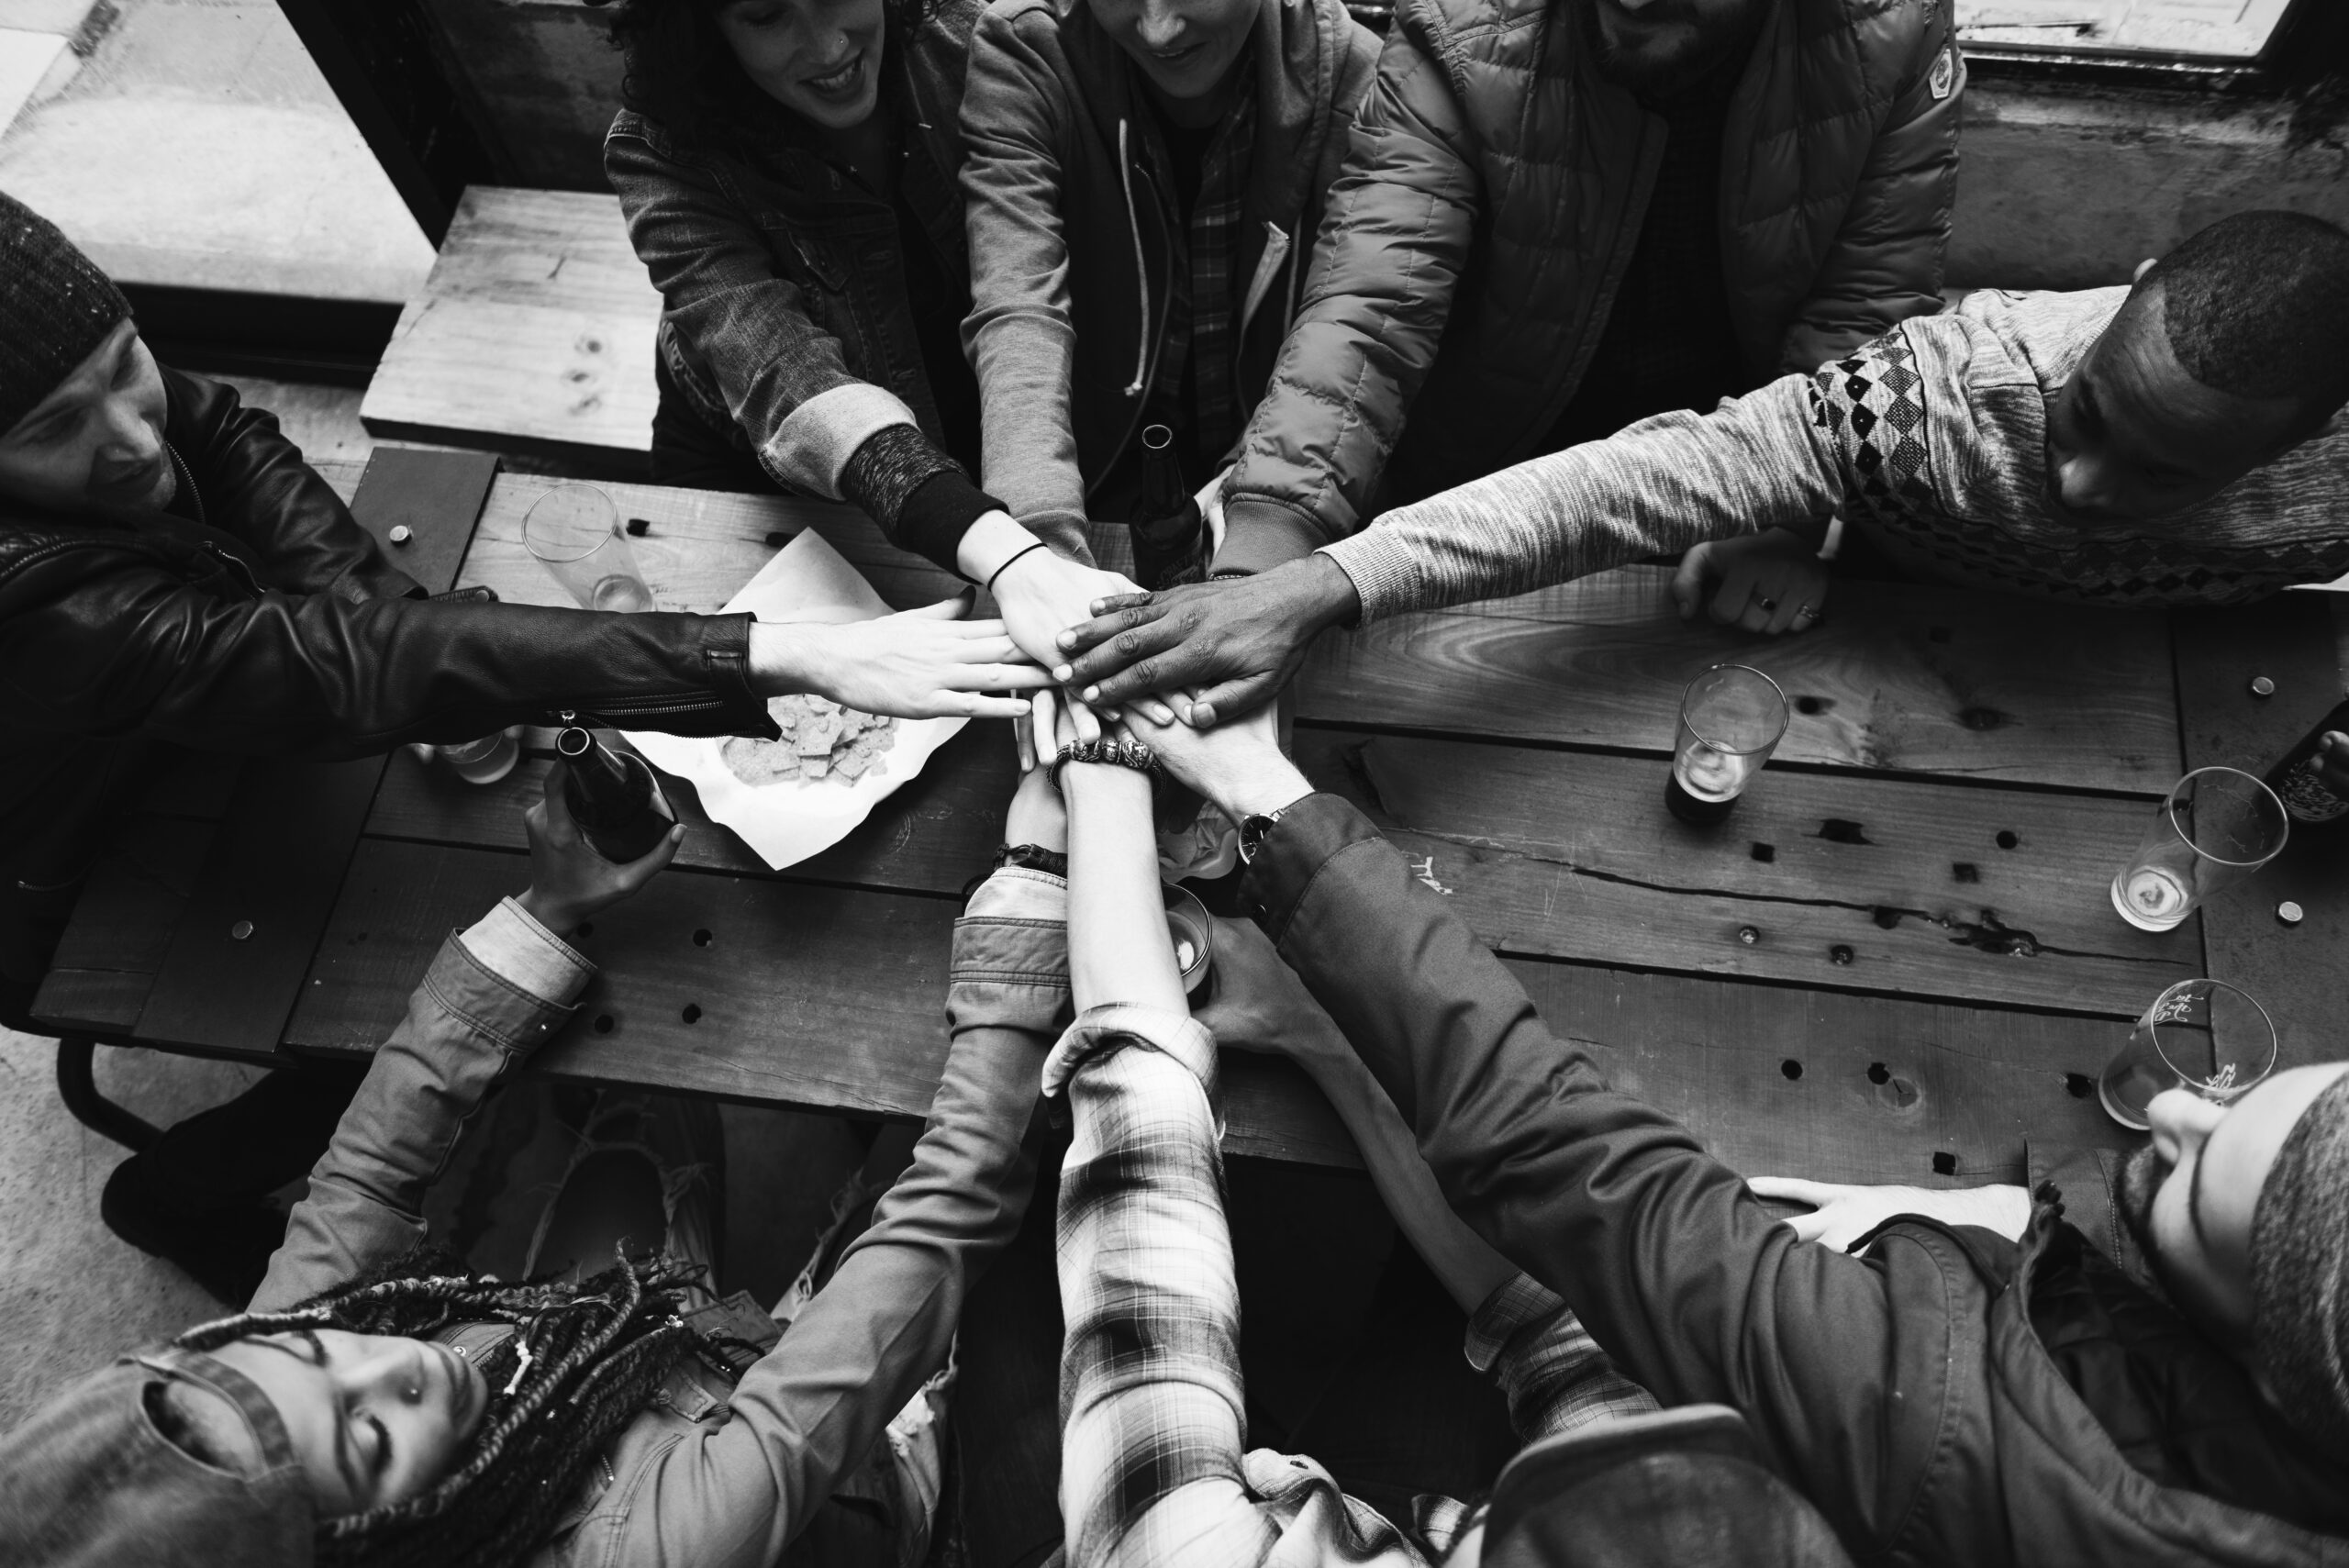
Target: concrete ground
193,142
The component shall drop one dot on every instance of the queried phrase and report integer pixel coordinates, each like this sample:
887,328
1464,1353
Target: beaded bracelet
1119,754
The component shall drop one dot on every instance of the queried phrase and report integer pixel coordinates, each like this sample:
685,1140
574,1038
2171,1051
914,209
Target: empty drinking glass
575,529
2217,826
2202,1035
1730,720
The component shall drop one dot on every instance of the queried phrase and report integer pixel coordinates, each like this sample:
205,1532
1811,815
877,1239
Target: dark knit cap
56,308
2299,1272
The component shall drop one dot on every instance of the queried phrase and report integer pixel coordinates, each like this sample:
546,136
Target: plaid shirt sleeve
1151,1415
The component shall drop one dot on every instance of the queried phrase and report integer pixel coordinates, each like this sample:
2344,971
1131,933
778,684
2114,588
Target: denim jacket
784,313
710,1475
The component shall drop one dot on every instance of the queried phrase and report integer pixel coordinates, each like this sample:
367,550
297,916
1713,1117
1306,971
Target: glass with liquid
2216,827
2205,1036
575,531
1731,719
487,759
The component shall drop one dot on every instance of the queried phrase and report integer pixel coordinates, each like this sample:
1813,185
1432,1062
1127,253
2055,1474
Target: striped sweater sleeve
1655,488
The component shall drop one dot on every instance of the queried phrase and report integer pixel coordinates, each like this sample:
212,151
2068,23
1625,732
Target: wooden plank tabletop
1933,976
534,333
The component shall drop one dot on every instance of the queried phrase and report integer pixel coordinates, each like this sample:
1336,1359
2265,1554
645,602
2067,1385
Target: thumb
1689,581
954,608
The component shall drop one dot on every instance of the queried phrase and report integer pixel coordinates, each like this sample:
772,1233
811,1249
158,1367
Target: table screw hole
2288,913
1810,705
1766,853
638,526
2079,1085
1944,1163
1838,955
701,937
241,930
1748,935
604,1023
1879,1073
2262,686
1791,1068
692,1014
2008,839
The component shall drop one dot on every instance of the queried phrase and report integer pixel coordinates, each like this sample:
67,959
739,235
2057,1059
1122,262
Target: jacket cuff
511,945
1384,573
936,515
489,1001
1307,836
725,648
1105,1028
814,442
1261,535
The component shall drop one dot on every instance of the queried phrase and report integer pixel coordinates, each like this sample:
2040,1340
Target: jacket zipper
187,480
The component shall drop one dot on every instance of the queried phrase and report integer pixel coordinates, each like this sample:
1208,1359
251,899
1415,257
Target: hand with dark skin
2333,763
1235,641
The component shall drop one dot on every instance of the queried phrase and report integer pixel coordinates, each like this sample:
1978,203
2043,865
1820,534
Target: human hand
924,664
1037,816
1841,1215
1235,642
1257,1003
569,881
1772,582
1238,764
1040,595
2333,763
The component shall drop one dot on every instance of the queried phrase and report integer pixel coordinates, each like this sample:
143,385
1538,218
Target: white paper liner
785,823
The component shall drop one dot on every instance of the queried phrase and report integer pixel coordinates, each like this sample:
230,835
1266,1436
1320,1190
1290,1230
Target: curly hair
583,1361
682,73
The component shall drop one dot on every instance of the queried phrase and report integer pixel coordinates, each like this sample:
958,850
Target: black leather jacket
255,615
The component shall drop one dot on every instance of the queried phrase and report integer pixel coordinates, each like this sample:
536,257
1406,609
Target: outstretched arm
491,995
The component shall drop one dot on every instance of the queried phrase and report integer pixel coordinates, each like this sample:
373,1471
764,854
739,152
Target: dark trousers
1351,1350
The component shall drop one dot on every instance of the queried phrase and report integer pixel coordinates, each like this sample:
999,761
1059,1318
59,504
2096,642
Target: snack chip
820,741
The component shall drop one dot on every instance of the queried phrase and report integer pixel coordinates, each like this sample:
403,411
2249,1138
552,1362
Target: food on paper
822,741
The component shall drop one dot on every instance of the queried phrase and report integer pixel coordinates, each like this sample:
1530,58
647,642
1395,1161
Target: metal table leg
77,1084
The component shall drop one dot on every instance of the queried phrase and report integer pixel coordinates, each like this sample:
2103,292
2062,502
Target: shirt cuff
511,945
1178,1035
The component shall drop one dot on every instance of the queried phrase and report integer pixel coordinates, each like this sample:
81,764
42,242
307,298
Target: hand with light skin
1037,592
2333,763
1841,1215
1234,643
1237,765
1037,815
924,664
569,881
1771,582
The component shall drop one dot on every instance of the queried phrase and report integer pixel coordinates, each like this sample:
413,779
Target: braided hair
583,1361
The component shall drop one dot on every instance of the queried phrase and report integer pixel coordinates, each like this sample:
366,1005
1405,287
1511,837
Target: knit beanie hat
56,308
2299,1271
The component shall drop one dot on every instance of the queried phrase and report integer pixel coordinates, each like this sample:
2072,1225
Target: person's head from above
694,65
82,404
1658,45
342,1423
1186,50
2238,1211
2229,352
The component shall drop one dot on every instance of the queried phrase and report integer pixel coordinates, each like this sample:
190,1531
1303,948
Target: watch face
1251,834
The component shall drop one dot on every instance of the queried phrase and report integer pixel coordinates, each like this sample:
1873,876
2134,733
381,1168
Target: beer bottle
1170,536
2298,779
620,810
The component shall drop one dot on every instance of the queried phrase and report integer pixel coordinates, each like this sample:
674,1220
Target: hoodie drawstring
1142,269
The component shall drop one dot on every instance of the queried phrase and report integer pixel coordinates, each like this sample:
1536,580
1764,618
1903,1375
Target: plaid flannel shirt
1154,1471
1202,310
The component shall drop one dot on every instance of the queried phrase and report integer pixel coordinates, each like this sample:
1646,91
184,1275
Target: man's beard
1668,69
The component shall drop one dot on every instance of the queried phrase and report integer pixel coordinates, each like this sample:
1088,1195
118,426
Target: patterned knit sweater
1933,439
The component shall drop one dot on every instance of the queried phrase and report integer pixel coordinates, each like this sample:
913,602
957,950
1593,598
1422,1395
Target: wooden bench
533,334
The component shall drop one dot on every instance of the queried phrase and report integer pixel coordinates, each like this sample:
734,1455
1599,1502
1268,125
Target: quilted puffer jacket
1492,195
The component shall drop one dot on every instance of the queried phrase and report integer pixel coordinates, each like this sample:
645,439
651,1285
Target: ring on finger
1766,604
1808,612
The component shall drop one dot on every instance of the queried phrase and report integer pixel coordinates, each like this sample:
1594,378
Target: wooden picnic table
1896,961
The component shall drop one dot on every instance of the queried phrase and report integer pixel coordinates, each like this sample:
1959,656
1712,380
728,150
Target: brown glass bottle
620,810
2298,781
1170,537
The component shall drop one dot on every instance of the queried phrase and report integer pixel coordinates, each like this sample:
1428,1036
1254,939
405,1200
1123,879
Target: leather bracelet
1116,754
1015,555
1032,857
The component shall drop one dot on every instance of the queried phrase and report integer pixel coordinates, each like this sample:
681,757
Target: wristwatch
1253,830
1034,856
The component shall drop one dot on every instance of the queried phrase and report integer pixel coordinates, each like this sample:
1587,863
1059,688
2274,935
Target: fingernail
1062,671
1092,693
